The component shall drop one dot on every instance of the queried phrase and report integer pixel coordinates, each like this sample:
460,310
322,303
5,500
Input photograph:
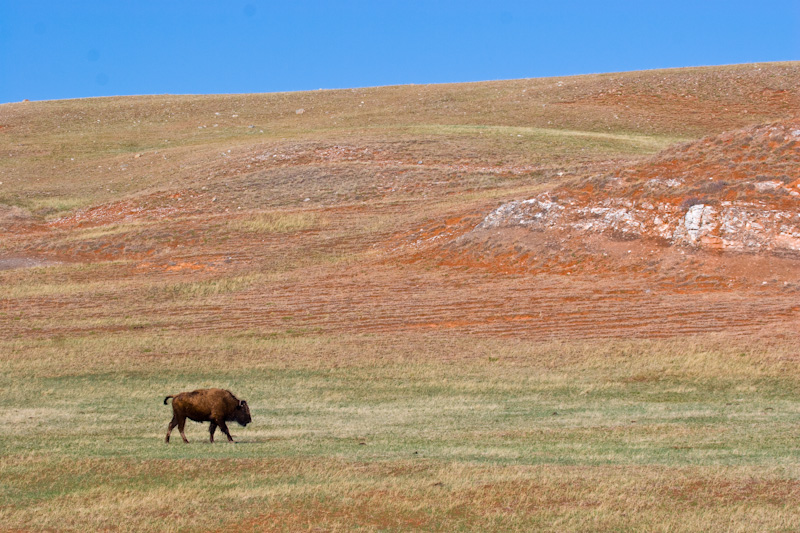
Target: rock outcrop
737,192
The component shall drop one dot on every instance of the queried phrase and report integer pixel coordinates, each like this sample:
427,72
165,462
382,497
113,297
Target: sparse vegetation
203,289
277,222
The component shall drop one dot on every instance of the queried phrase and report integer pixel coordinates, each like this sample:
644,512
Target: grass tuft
278,222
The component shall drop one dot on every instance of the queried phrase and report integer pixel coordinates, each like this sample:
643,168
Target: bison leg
224,429
181,425
212,429
176,421
172,424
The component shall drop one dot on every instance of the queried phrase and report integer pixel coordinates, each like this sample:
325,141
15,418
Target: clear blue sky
53,49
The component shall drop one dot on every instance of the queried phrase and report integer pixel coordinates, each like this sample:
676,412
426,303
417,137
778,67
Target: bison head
242,414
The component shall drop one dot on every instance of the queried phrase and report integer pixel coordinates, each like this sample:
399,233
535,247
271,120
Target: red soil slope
703,237
491,224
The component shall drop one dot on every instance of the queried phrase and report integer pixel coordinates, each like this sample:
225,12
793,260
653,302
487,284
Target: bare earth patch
8,263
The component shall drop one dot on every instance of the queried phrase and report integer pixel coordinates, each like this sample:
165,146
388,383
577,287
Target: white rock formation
729,226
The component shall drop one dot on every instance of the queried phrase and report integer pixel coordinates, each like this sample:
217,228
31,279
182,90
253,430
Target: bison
207,405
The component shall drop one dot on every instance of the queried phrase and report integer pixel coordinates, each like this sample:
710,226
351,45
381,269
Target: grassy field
398,432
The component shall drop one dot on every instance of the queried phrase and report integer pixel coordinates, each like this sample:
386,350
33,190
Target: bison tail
167,398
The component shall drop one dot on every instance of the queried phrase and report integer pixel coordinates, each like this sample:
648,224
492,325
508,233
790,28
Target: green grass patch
612,142
53,207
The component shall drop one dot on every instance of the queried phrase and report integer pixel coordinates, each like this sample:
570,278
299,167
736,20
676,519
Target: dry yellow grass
277,222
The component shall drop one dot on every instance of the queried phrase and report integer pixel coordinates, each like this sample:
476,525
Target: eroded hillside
735,192
648,204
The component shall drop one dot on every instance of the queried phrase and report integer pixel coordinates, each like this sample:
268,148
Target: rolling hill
533,208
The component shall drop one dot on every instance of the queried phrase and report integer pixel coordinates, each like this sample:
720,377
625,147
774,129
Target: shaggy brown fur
207,405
